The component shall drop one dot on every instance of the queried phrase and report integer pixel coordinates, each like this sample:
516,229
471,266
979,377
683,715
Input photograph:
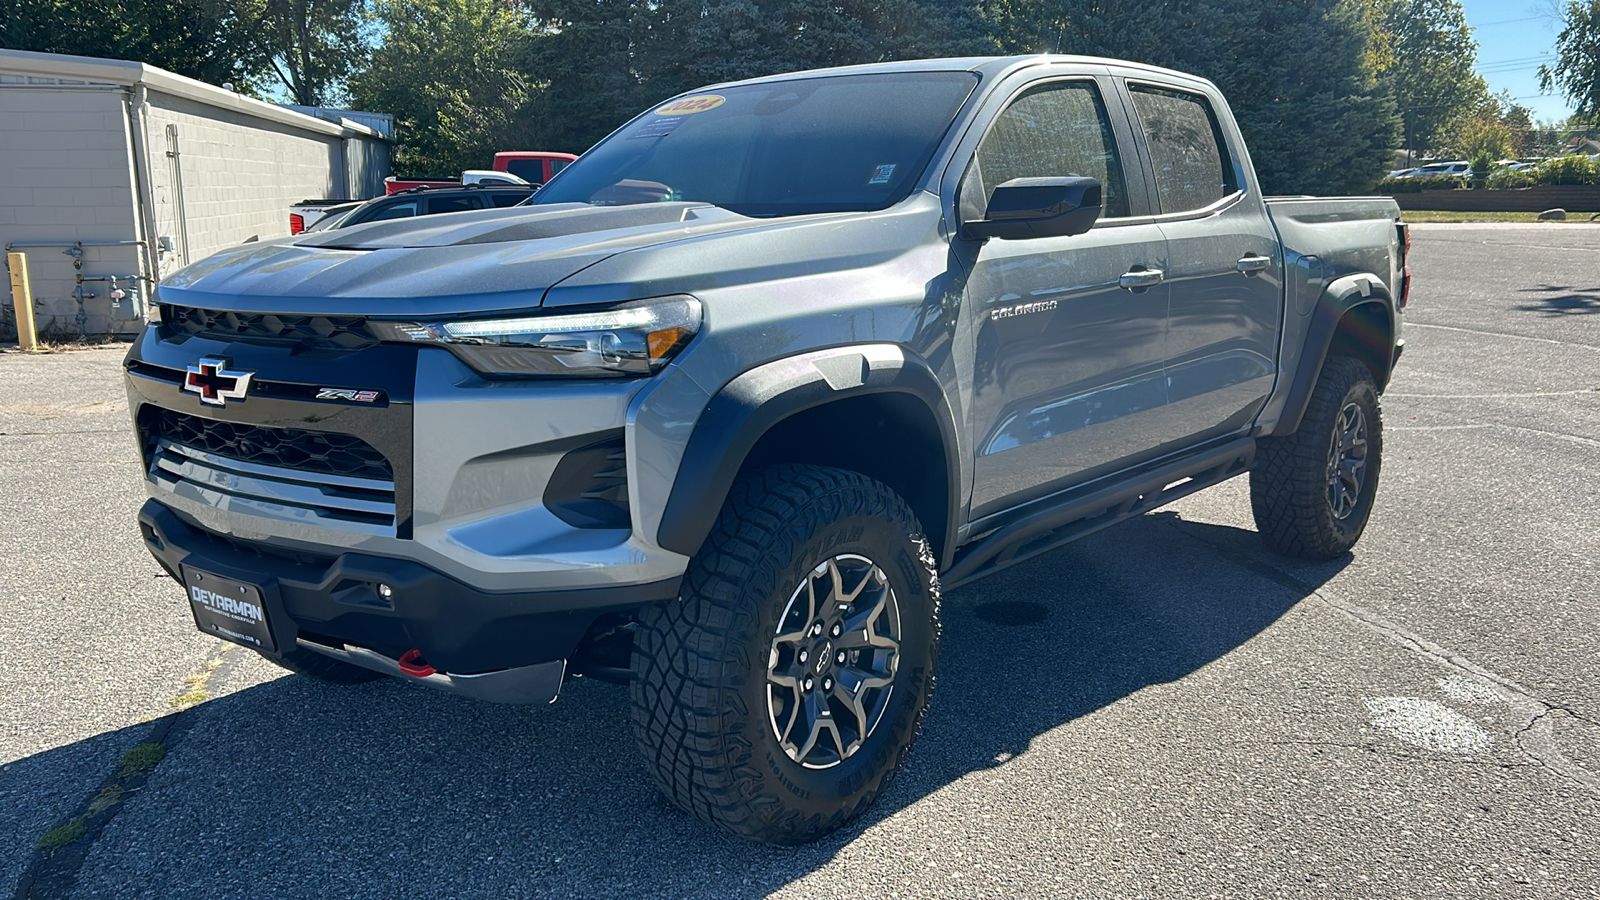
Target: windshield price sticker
882,174
656,128
689,105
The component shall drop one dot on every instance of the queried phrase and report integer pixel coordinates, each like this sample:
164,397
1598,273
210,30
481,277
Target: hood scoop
521,223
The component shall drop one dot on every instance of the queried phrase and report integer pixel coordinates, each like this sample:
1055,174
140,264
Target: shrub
1417,185
1481,164
1506,179
1568,170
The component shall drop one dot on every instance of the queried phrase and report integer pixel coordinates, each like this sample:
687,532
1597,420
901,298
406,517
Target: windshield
832,144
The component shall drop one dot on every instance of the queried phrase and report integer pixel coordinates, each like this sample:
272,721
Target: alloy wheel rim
1347,461
831,669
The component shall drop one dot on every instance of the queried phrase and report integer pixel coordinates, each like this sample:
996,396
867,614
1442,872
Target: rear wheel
778,697
1312,492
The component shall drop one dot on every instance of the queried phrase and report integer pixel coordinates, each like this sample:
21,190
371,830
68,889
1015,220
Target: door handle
1140,278
1252,264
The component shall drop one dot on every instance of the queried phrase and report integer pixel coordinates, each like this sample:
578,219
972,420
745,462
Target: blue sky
1514,37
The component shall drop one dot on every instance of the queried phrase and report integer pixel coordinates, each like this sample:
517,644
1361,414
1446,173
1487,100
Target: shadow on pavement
1557,301
295,788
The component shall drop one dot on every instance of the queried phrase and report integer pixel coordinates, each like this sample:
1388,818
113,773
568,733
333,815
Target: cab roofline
988,66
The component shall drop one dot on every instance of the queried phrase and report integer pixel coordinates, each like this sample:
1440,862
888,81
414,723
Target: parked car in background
333,215
1456,169
425,202
536,166
1401,173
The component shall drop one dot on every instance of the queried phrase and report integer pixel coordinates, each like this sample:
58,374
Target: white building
118,169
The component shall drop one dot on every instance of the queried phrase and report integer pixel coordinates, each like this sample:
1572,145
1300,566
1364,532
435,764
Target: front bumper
333,604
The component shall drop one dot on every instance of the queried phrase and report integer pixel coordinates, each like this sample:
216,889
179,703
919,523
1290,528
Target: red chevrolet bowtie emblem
216,385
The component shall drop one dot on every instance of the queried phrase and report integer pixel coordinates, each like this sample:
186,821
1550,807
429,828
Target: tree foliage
601,61
448,72
209,40
311,46
1577,69
307,46
1313,117
1424,57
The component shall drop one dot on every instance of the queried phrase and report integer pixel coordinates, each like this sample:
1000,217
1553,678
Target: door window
1185,148
1053,130
529,170
397,211
453,204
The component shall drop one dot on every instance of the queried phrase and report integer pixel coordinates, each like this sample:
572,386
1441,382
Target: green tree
604,60
446,70
312,46
204,39
1424,57
1314,119
1577,69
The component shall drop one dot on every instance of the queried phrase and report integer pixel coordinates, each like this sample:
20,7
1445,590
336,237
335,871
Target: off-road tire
323,668
1289,481
700,693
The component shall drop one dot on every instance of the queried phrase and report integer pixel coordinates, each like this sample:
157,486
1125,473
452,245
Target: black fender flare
747,407
1338,299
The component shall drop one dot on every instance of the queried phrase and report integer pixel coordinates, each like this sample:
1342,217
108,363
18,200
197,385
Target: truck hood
556,255
446,264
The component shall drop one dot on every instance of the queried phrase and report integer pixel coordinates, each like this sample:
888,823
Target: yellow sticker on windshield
687,105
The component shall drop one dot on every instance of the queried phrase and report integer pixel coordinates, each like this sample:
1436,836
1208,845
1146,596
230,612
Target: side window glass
452,204
1054,130
504,200
397,211
1185,148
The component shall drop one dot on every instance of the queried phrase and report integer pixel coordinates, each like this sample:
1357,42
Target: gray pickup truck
747,386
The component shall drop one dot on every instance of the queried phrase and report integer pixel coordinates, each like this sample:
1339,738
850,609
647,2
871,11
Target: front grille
289,448
318,332
315,477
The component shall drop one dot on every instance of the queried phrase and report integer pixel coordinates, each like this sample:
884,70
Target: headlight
632,339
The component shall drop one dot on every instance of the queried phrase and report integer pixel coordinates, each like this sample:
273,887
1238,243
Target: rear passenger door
1068,363
1224,264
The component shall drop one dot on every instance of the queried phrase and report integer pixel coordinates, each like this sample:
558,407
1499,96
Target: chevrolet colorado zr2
745,387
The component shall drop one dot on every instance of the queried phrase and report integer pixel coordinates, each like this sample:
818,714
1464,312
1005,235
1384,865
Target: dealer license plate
229,609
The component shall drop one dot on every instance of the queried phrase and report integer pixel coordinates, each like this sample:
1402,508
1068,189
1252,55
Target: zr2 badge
343,394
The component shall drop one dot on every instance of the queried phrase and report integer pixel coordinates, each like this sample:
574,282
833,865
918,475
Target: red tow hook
412,663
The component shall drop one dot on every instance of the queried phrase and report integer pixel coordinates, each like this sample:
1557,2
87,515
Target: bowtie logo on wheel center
216,385
823,657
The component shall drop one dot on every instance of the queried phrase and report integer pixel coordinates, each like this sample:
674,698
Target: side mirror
1039,207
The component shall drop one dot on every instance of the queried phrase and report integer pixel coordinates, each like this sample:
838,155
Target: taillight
1405,263
297,223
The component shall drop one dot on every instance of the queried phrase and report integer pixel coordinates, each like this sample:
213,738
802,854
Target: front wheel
780,694
1312,491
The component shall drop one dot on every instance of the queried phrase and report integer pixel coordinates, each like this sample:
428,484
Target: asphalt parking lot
1164,709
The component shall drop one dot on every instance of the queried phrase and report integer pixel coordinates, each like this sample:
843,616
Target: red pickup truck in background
532,166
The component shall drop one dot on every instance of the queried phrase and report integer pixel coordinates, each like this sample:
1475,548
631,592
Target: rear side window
529,170
453,204
1054,130
397,211
504,200
1185,148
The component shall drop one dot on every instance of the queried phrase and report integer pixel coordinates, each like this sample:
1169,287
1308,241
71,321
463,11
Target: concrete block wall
66,174
240,174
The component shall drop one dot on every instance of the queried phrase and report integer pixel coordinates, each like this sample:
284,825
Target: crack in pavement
52,872
1535,738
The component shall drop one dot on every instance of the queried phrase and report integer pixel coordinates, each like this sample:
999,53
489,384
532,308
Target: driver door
1068,378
